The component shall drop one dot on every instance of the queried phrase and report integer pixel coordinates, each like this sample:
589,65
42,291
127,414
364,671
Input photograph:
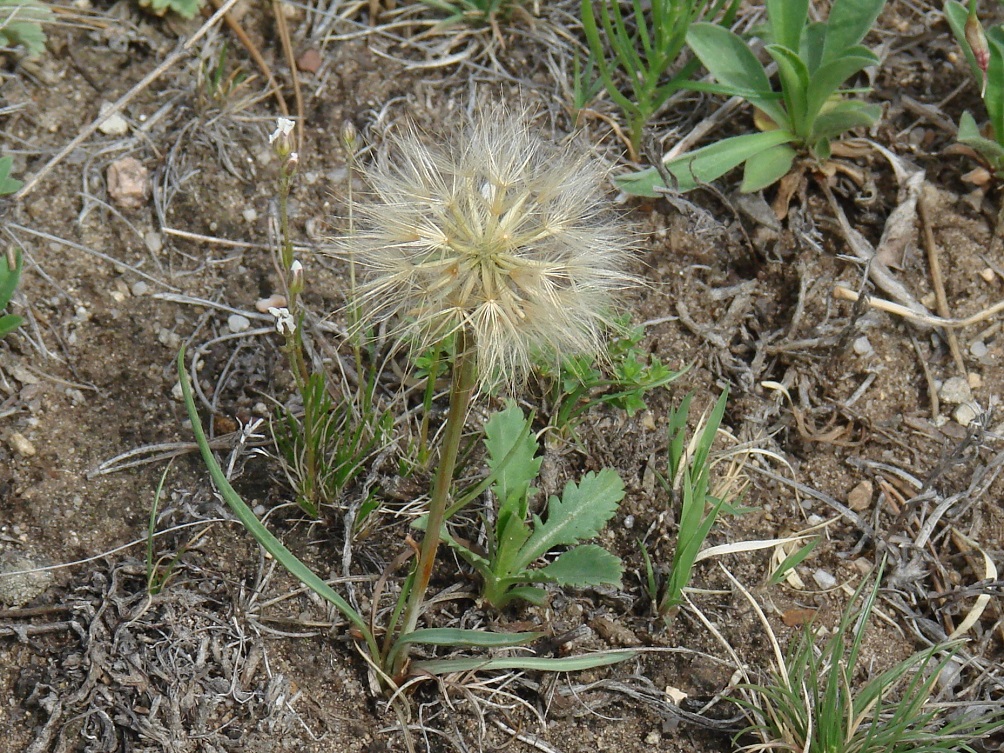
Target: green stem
460,399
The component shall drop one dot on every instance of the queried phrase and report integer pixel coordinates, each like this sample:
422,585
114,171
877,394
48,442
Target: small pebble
814,520
169,339
250,214
975,380
309,61
653,738
955,391
988,274
139,288
118,296
863,347
259,510
18,590
978,348
629,522
128,183
824,580
966,413
154,242
237,323
176,392
115,125
860,497
20,444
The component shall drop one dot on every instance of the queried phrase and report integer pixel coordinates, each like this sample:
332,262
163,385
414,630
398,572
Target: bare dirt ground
876,427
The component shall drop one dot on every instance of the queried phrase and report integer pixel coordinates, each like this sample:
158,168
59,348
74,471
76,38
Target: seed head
497,232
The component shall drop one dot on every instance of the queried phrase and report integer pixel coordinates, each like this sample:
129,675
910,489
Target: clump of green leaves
520,539
325,446
984,50
184,8
811,704
689,483
21,24
635,51
621,381
814,61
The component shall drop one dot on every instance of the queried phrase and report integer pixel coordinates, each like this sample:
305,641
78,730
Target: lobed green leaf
579,514
586,565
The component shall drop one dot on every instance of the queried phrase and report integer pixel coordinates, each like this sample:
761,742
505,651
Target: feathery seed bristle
498,232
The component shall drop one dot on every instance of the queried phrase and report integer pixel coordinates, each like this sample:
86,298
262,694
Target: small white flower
285,127
285,325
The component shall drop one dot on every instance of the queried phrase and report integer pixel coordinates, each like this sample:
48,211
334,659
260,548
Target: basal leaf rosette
495,232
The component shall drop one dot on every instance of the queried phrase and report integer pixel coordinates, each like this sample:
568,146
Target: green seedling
325,446
21,24
627,375
984,51
790,562
637,50
814,62
519,540
10,273
220,85
812,703
689,481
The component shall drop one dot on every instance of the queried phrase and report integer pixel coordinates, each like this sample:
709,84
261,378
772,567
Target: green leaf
993,98
21,24
543,664
956,14
766,168
829,78
810,46
842,117
586,565
580,514
9,278
512,451
9,323
969,134
794,86
461,637
705,164
787,19
792,561
531,594
730,60
8,185
848,22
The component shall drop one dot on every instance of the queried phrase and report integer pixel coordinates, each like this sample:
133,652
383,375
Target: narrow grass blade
527,663
262,535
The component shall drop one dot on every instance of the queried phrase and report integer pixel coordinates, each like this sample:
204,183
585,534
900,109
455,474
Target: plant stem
460,398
